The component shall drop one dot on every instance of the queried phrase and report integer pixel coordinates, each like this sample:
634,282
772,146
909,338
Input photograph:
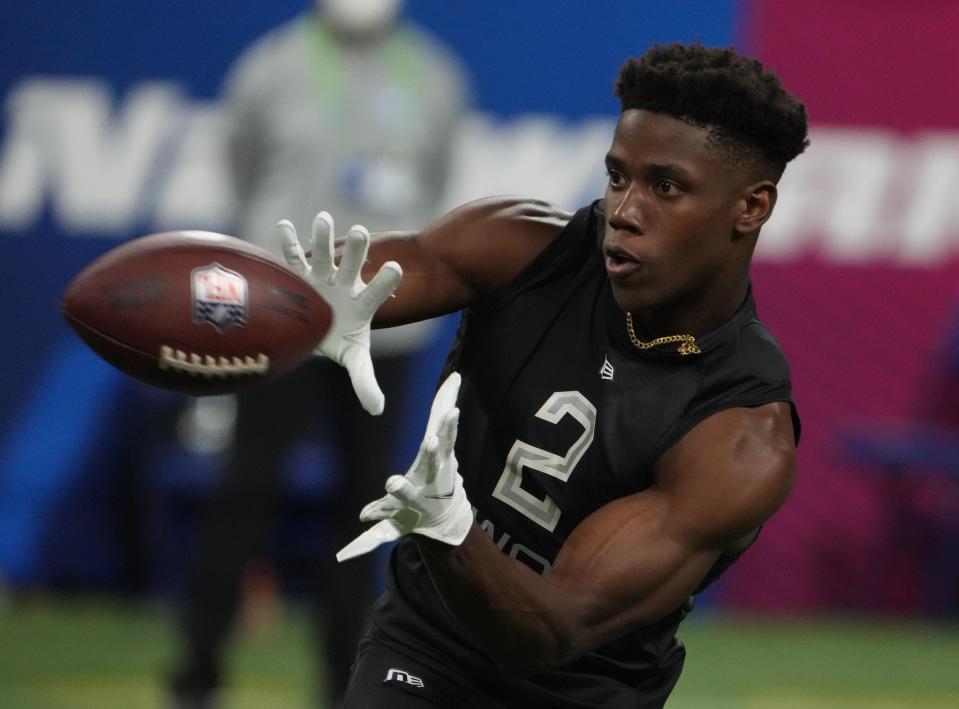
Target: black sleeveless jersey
561,414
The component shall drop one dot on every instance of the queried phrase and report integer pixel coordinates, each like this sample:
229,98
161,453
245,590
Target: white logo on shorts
394,674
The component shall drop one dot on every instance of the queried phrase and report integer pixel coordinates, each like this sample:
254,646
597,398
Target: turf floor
69,653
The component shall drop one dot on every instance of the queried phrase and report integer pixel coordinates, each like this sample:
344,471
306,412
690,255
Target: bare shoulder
510,212
731,472
490,241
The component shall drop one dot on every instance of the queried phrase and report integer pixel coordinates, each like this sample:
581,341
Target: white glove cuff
454,524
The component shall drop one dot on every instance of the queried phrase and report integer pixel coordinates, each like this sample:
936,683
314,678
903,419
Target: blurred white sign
102,166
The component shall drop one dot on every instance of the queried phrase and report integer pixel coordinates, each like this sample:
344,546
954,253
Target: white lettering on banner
21,185
837,188
929,222
859,184
535,155
195,190
65,138
856,195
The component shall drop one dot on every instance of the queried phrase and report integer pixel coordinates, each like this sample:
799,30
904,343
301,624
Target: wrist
438,547
452,526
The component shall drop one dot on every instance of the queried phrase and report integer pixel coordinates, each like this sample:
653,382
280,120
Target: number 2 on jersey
545,512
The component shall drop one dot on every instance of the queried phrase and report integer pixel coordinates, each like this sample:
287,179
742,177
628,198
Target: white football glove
429,499
353,302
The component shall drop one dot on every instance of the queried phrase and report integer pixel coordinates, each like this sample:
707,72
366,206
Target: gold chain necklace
688,346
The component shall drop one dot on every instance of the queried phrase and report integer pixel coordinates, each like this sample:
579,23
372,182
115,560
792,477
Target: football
195,312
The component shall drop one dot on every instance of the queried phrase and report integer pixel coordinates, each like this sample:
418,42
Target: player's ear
755,206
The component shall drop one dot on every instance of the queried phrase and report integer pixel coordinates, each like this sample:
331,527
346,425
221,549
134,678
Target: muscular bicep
638,558
463,256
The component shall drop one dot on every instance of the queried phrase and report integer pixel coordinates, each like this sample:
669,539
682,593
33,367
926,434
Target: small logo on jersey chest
606,371
395,675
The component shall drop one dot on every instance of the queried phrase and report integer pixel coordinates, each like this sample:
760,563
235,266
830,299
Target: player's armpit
634,560
473,250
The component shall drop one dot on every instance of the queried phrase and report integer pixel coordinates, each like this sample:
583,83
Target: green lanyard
398,55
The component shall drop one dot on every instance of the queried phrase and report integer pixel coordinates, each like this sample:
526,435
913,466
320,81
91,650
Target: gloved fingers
432,464
380,287
359,365
354,256
401,488
380,533
446,437
438,464
443,401
322,246
399,509
417,468
290,245
380,508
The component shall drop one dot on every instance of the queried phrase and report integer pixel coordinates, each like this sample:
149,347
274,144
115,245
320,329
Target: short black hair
751,115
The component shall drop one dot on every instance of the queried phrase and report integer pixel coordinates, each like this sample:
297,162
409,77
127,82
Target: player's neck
697,315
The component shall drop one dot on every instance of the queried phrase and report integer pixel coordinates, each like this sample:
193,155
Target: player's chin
633,297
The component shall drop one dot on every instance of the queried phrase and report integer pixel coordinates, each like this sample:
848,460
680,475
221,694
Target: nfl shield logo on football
219,297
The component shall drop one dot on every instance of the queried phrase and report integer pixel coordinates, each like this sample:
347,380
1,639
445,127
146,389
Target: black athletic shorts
388,675
385,677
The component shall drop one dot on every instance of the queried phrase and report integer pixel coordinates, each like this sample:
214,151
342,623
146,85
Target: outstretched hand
352,301
429,499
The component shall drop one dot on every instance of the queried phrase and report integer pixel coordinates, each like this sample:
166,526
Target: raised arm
466,254
634,560
448,266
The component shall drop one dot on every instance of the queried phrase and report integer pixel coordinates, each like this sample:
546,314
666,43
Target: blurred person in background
351,107
617,424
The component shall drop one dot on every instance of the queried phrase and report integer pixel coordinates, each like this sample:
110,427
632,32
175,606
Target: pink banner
867,346
863,62
860,283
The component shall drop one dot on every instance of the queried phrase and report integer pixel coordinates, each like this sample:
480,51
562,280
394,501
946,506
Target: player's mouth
619,262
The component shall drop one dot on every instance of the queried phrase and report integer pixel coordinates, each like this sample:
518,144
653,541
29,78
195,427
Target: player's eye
666,187
616,178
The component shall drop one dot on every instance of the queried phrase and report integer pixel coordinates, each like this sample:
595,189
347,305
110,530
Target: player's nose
625,211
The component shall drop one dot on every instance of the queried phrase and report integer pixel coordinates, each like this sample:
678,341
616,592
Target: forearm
428,288
515,615
593,594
